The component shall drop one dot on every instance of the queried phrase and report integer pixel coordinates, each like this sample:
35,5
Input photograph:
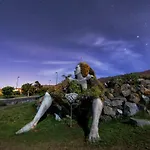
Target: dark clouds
111,18
114,32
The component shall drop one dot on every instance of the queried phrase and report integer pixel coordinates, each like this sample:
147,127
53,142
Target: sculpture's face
77,70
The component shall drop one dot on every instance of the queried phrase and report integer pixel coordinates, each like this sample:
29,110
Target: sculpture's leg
97,107
46,103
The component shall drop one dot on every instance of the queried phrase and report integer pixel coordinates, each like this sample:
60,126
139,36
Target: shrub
8,92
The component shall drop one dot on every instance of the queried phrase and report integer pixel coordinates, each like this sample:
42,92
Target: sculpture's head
84,69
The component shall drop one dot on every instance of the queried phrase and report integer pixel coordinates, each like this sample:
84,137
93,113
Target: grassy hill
51,134
145,74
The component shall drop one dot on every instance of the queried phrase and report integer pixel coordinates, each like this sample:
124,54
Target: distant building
18,89
1,92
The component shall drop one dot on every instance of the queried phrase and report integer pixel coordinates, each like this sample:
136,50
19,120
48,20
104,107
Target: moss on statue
95,89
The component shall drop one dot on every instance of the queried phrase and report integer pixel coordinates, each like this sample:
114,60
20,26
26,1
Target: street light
56,77
17,82
49,82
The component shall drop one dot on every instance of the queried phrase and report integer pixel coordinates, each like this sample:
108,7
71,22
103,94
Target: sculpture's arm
71,79
46,103
85,78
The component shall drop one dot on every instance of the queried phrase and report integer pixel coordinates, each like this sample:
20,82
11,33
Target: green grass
51,134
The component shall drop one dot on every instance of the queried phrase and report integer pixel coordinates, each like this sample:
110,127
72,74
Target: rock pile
126,98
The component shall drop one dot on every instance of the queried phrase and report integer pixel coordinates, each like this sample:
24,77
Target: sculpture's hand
71,97
86,78
70,78
89,77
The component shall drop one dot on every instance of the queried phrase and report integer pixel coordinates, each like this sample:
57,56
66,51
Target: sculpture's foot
57,117
26,128
94,135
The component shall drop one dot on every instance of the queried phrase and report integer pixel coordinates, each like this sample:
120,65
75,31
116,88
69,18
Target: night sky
41,37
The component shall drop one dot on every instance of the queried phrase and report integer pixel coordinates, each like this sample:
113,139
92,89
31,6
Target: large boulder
109,111
130,109
139,122
115,102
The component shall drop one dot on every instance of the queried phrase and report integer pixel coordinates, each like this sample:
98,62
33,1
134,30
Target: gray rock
133,89
139,122
119,98
107,102
142,89
135,98
130,109
126,90
117,90
117,103
109,111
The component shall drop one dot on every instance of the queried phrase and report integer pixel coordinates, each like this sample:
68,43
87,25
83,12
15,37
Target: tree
28,89
8,91
37,85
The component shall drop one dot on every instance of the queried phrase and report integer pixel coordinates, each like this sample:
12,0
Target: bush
8,92
132,78
16,93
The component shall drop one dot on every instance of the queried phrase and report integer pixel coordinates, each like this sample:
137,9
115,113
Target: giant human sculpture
90,102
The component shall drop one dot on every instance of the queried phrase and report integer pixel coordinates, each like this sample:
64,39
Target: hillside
145,73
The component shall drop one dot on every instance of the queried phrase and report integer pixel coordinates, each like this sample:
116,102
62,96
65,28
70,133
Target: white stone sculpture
83,73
